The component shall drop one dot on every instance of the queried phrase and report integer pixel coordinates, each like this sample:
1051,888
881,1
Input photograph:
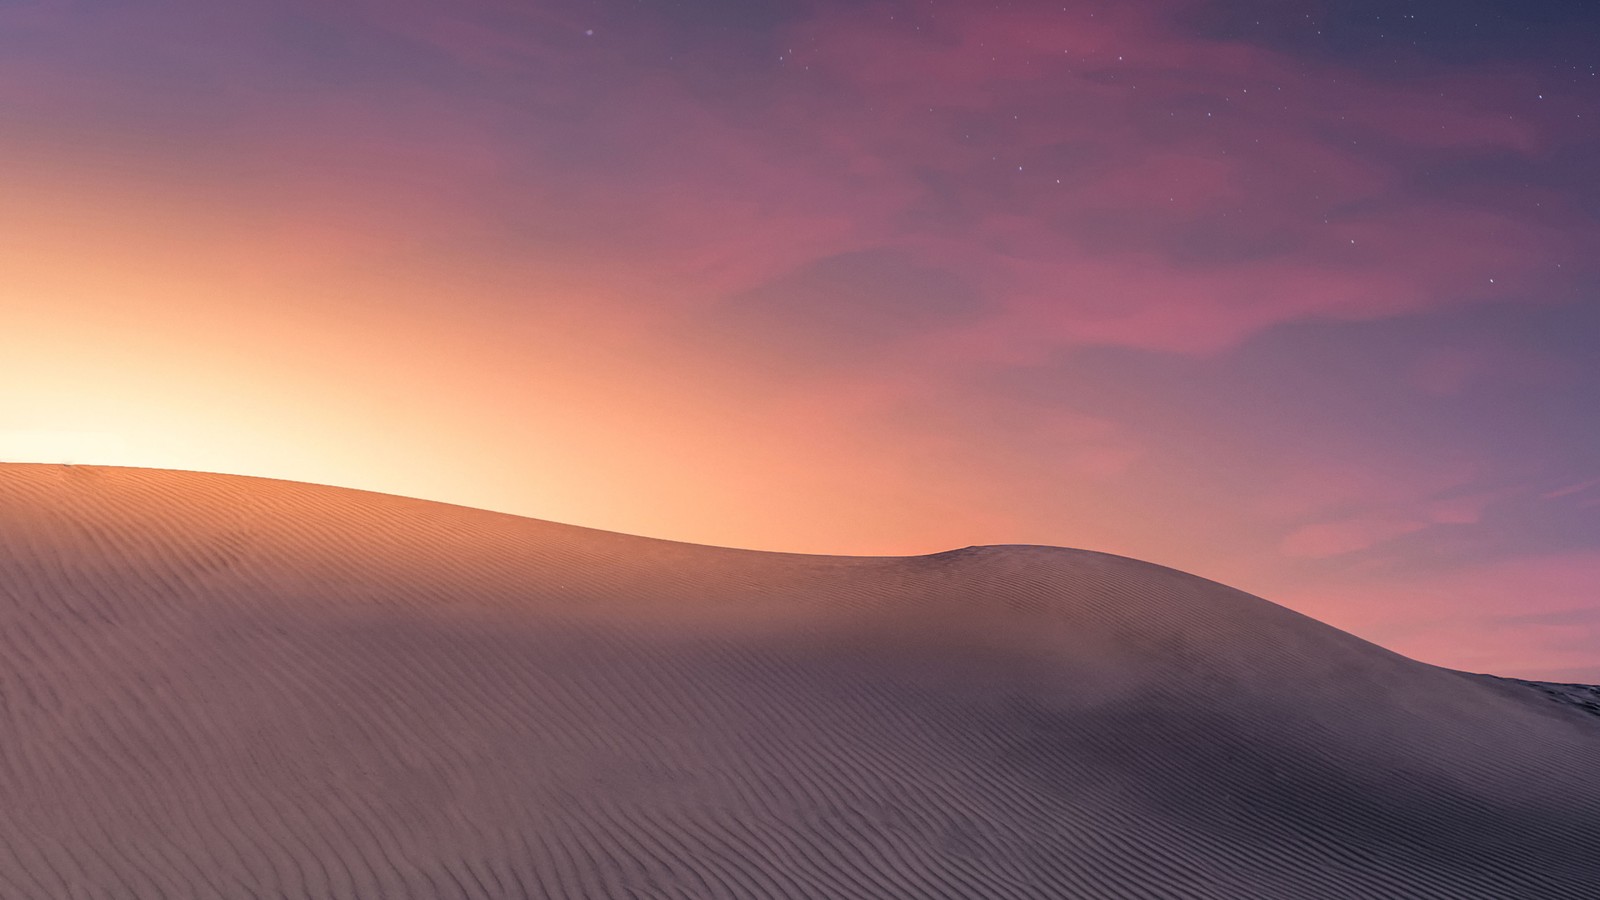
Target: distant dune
214,686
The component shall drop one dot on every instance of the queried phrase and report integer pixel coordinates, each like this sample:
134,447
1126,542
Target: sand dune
214,686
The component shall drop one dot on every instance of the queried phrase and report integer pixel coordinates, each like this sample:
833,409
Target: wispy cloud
1571,489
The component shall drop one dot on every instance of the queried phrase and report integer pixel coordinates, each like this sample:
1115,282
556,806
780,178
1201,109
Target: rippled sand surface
214,686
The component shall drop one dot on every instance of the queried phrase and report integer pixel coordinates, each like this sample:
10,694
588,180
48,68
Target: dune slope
214,686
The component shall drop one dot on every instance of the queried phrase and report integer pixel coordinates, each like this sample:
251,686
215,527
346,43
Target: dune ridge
219,686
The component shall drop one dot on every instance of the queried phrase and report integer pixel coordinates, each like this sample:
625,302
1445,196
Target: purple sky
1298,296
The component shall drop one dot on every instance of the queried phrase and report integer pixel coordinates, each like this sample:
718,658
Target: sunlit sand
215,686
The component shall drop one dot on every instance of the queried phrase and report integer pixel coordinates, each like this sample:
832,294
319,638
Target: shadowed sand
214,686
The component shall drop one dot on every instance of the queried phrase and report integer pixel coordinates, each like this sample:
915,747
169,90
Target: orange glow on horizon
160,347
1315,340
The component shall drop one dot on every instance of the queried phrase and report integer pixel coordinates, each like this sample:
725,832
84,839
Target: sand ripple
214,686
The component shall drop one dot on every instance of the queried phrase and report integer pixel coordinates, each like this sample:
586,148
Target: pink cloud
1339,507
1325,488
1274,164
1571,489
1525,616
1061,159
720,205
1324,539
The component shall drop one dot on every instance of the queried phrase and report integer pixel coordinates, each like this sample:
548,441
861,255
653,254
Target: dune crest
216,686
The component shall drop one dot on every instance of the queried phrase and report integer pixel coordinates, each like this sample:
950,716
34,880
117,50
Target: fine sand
214,686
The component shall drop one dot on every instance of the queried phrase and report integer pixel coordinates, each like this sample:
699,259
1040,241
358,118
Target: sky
1303,297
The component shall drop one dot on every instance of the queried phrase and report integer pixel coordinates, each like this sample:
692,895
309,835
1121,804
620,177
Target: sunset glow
1306,306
